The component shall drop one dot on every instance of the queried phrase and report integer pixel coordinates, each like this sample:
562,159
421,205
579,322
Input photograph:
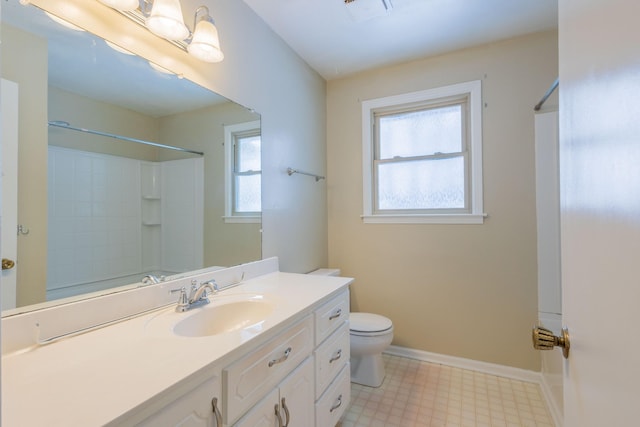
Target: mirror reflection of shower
113,220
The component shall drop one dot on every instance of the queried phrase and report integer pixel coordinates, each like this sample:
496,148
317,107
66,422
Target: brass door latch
543,339
7,264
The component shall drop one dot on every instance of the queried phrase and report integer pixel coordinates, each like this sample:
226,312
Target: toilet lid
368,322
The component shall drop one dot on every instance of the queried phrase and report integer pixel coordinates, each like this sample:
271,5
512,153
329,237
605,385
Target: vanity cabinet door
292,401
193,409
263,414
297,396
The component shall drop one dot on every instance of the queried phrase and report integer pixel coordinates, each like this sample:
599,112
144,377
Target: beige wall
30,72
463,290
88,113
203,130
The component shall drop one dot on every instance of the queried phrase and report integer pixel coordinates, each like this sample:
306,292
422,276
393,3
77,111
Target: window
422,156
243,172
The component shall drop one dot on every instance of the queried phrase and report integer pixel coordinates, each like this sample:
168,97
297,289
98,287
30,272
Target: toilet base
368,370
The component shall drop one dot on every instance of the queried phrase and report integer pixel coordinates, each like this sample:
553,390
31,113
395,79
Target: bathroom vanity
271,350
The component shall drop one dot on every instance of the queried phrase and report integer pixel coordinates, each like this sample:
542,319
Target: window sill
242,219
425,219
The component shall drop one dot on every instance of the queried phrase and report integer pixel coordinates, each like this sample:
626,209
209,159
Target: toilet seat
369,324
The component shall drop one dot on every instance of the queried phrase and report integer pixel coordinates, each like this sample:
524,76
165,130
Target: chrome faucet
198,296
151,279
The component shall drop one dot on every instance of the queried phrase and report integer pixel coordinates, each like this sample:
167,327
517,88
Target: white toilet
370,334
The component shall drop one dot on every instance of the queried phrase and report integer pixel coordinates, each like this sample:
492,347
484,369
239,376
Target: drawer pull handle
284,357
337,405
336,357
286,413
216,411
336,314
277,409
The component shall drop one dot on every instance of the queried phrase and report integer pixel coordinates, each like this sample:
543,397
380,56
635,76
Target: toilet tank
326,272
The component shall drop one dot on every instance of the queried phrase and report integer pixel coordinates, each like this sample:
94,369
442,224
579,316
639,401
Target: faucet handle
183,301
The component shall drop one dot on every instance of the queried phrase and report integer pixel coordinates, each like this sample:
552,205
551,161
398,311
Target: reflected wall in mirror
97,211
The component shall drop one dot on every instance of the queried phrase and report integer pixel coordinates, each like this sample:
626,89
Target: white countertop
94,378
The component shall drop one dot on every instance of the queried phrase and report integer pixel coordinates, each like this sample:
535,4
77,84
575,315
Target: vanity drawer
335,400
331,315
330,357
248,379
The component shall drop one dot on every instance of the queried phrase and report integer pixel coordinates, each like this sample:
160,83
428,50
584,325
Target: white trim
474,90
486,368
229,131
473,365
552,404
425,219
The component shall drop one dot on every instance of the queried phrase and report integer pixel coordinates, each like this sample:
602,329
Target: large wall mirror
96,208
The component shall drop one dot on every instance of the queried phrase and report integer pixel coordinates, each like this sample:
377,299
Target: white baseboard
473,365
552,404
484,367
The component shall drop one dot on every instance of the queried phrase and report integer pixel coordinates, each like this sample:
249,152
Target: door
9,200
600,210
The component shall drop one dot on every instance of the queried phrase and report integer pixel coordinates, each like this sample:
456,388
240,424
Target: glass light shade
166,20
121,4
205,44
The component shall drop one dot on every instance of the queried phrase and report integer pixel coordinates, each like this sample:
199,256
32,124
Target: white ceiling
330,40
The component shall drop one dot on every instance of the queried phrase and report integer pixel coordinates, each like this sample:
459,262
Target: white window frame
230,131
473,90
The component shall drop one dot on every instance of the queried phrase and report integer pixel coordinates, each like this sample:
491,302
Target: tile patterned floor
422,394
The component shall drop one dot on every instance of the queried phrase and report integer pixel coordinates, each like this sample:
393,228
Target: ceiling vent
363,10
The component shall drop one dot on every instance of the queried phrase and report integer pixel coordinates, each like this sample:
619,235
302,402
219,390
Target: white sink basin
220,317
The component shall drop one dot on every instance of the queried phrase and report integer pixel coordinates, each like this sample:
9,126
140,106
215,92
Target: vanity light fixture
164,18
